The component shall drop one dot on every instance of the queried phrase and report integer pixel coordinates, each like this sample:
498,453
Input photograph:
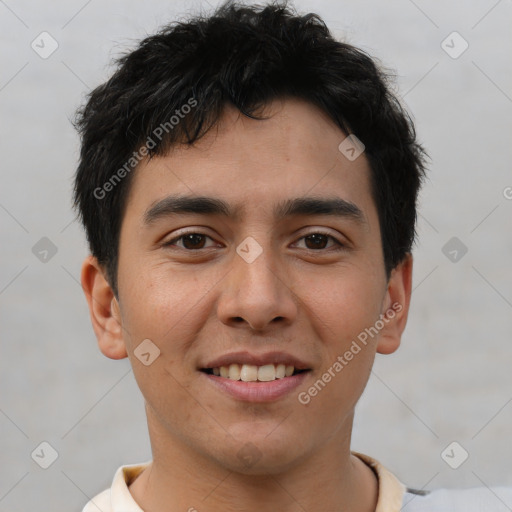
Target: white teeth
267,373
234,372
252,373
249,373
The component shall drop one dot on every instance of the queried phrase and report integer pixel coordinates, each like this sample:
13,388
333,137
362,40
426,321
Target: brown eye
318,241
190,241
196,241
193,241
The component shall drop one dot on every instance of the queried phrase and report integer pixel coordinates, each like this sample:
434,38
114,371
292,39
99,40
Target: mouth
253,373
256,378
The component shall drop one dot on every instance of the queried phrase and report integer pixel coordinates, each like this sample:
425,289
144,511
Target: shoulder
478,499
100,503
118,497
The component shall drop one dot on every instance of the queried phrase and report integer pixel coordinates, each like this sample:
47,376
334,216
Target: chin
257,463
261,454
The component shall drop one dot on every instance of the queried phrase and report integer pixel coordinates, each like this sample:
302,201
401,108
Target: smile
252,377
253,373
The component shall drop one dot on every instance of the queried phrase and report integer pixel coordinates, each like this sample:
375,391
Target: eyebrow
308,206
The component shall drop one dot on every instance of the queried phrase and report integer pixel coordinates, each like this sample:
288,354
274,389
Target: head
228,223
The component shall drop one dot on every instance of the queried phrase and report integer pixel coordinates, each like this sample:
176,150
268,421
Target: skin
198,305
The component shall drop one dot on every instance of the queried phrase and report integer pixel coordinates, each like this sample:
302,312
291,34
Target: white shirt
393,495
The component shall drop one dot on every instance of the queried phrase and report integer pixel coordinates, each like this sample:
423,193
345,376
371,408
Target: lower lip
257,391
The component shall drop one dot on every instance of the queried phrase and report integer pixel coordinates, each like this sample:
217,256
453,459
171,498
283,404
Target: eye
194,241
317,241
191,241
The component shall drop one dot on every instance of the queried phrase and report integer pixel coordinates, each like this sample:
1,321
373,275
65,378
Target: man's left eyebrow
300,206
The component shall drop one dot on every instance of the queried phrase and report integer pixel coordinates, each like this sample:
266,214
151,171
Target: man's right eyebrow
174,205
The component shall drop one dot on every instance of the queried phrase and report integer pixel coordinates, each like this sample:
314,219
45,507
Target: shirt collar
121,499
390,496
391,490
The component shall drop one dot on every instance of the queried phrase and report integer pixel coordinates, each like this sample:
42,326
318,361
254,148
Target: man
248,187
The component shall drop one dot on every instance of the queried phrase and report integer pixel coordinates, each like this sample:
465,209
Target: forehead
248,163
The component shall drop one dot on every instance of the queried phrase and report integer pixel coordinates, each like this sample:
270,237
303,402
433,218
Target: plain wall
449,381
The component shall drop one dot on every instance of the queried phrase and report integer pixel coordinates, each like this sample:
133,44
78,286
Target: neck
180,479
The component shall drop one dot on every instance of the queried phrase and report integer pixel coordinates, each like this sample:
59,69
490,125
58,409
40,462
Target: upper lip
257,360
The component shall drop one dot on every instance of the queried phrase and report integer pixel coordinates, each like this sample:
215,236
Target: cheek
341,306
158,306
341,311
163,304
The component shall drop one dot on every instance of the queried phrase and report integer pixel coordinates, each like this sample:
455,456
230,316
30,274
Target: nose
257,293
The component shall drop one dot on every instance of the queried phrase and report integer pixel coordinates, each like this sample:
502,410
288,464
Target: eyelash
340,245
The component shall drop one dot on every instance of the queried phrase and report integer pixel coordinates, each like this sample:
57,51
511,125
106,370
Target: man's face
253,289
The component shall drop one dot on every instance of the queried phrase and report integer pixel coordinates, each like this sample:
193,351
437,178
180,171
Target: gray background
450,380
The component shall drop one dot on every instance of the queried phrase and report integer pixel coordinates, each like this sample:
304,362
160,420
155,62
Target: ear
396,306
104,310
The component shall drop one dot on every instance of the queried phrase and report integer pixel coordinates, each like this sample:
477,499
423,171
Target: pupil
194,239
317,240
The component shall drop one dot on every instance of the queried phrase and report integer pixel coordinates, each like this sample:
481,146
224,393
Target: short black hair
175,85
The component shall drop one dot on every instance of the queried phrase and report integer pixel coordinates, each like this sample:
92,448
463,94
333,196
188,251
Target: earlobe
103,309
396,306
